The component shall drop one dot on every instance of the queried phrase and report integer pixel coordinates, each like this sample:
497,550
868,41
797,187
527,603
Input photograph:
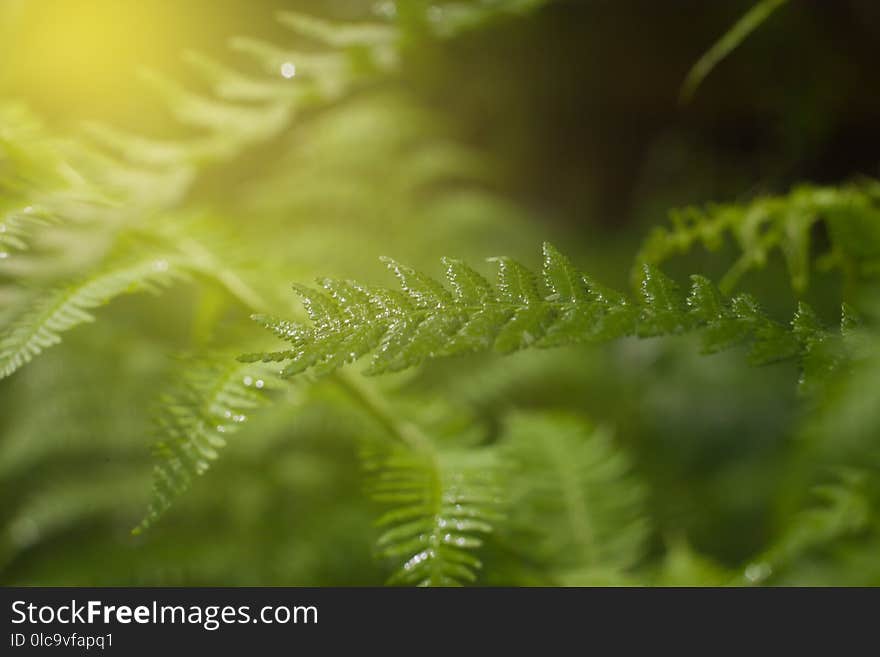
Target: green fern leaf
778,223
229,84
523,310
843,509
337,34
468,285
60,310
212,402
442,504
18,226
562,279
320,75
450,19
662,305
573,499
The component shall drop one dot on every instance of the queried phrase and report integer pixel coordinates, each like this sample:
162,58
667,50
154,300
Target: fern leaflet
18,226
62,309
211,403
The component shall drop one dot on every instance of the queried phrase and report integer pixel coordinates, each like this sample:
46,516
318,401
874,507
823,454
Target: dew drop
288,70
757,572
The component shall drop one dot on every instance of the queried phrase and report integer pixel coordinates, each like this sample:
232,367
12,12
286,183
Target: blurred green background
562,124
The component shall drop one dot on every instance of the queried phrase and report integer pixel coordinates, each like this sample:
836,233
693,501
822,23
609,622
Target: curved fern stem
367,397
731,40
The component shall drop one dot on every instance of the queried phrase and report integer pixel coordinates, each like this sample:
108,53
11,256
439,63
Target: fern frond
454,18
153,152
337,34
229,84
40,183
212,401
777,223
62,309
243,122
843,509
442,504
325,74
573,497
400,329
136,188
246,109
18,226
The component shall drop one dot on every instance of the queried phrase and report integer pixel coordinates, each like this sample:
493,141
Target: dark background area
586,97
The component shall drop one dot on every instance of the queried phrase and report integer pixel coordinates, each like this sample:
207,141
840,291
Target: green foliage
780,223
785,224
212,402
522,310
844,509
575,506
440,504
19,225
40,326
487,471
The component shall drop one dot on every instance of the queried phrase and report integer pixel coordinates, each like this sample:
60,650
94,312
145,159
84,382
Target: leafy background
160,149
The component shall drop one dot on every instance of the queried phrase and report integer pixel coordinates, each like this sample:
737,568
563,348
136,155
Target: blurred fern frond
16,226
42,187
780,223
212,401
841,509
40,326
247,110
575,506
442,502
